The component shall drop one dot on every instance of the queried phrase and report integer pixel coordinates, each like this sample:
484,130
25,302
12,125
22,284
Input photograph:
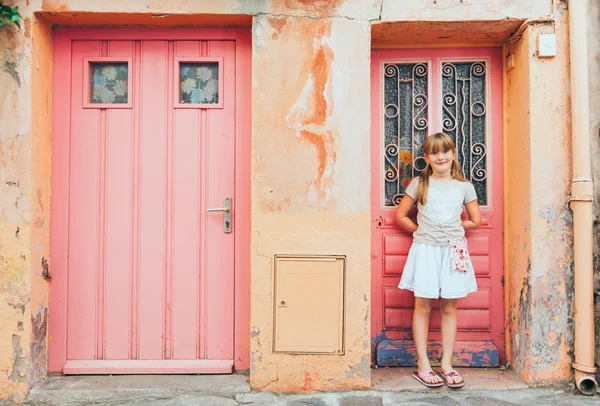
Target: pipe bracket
582,368
581,198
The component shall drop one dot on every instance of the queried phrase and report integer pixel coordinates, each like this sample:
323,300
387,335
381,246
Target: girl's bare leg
449,325
420,329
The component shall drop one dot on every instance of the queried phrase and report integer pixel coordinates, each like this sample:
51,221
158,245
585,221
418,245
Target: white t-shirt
439,219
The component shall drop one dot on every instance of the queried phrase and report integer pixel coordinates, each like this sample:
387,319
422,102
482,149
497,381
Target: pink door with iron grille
144,202
416,93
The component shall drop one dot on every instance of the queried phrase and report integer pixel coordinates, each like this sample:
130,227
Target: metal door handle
226,209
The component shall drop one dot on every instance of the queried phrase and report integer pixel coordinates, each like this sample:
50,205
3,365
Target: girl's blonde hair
433,144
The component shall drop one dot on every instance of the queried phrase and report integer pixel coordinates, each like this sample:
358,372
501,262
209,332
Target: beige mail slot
309,304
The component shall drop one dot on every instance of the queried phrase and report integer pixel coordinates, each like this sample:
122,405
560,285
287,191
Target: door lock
226,209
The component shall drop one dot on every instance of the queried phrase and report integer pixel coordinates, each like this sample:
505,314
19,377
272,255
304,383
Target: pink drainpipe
581,201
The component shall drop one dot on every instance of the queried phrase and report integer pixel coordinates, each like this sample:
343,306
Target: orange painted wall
539,234
24,205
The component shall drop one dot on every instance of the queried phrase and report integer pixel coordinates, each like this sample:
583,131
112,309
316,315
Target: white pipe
581,201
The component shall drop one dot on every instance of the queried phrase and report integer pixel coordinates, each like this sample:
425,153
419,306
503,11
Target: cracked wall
594,88
539,268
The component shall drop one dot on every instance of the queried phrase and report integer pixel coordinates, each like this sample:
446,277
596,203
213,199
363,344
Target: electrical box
309,304
547,45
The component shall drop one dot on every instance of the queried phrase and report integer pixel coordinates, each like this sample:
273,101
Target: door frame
59,213
496,125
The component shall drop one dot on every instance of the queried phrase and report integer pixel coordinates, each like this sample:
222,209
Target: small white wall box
547,45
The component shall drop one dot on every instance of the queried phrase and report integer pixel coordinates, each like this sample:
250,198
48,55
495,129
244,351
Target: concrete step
139,389
402,353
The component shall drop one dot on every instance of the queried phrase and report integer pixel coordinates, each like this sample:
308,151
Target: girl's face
440,162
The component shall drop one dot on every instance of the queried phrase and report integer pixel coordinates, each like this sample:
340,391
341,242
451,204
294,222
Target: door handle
226,209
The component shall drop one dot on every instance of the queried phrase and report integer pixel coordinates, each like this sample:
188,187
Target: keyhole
282,303
227,225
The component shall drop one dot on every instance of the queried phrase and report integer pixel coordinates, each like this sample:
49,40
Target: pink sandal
420,376
453,374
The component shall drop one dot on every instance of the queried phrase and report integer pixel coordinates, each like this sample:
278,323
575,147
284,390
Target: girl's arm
474,221
402,218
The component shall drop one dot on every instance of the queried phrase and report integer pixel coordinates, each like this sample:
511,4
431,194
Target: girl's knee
423,306
448,307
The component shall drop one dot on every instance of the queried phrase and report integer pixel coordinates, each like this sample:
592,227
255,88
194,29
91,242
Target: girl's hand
402,218
474,221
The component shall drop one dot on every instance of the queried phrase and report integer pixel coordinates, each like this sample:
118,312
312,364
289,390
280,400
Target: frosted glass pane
109,82
199,82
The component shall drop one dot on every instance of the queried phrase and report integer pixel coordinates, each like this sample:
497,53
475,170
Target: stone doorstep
112,389
107,389
476,379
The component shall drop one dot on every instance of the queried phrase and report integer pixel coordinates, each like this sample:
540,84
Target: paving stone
306,402
193,400
441,401
487,401
263,398
361,401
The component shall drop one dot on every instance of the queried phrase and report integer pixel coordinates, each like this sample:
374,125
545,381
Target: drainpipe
581,201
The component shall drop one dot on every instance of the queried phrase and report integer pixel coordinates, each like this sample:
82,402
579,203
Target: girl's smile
440,162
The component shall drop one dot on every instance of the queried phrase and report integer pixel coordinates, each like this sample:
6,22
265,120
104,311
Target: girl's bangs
438,143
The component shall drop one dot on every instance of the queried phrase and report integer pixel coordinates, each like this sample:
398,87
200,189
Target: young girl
431,270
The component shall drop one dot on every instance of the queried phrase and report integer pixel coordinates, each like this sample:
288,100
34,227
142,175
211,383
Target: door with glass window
143,202
415,93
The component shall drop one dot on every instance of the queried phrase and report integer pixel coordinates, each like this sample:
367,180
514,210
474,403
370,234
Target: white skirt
429,275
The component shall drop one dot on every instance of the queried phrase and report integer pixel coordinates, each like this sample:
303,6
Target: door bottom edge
124,367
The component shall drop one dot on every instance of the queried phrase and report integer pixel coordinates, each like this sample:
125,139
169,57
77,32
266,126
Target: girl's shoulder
469,191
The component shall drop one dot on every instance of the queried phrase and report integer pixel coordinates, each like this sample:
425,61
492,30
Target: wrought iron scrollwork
406,124
464,118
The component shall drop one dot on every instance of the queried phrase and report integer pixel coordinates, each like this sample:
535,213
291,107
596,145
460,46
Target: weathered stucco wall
518,195
310,156
24,205
310,188
594,79
449,10
540,222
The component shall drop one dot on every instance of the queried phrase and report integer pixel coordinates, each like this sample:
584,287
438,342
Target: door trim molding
60,151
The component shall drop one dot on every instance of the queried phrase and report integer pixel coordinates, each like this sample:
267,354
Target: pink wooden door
151,140
416,93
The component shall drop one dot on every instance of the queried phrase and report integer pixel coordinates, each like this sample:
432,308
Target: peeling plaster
19,366
38,352
10,67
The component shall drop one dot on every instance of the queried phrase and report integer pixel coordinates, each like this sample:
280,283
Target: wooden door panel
220,152
117,161
188,195
151,224
84,161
